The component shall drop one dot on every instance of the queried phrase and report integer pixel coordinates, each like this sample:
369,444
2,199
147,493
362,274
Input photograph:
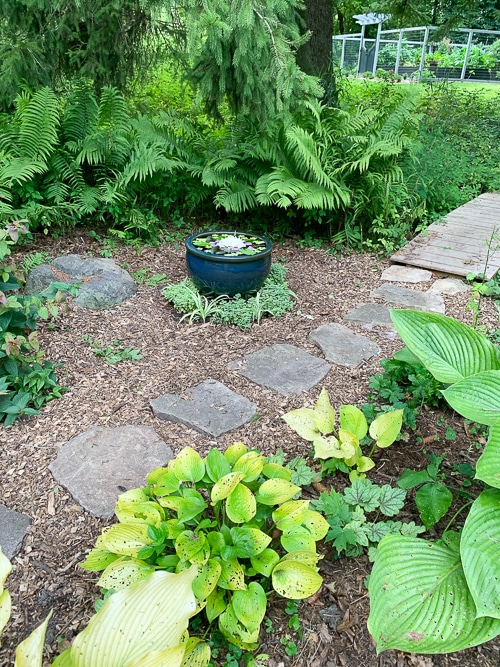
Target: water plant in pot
228,262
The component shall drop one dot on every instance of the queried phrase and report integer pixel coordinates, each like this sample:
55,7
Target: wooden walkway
459,244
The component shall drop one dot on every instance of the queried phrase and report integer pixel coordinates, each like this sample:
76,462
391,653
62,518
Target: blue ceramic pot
226,274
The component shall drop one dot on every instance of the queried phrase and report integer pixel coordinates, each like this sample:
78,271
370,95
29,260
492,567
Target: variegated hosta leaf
276,491
189,466
324,414
207,578
233,453
29,653
386,428
303,422
297,538
125,539
5,568
265,562
250,464
353,420
241,505
480,553
316,524
123,572
487,468
225,486
250,606
420,601
290,513
295,580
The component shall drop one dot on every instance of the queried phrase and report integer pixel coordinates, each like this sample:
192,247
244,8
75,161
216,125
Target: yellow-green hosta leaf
197,653
216,604
151,615
364,463
165,483
235,631
207,578
63,659
291,512
5,609
225,486
252,541
273,470
353,420
264,563
241,505
276,491
139,512
5,568
189,466
232,576
216,465
126,539
29,653
297,538
348,442
134,496
250,606
250,464
386,428
123,573
303,422
188,544
327,448
324,414
316,524
295,580
234,452
309,558
169,657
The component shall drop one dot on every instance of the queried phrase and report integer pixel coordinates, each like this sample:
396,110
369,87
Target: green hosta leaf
275,470
188,544
126,540
386,428
291,512
479,552
217,465
5,609
364,464
449,349
165,483
206,579
295,580
264,563
188,508
252,540
197,653
297,538
236,632
250,606
250,464
391,500
477,397
63,659
216,541
363,493
310,558
169,657
29,653
487,468
134,512
241,505
216,604
433,501
233,453
232,576
316,524
324,414
135,495
124,572
225,486
303,422
420,601
410,478
98,559
189,466
276,491
353,420
329,447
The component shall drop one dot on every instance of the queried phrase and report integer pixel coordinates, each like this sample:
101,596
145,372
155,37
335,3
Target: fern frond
21,169
39,122
236,197
80,117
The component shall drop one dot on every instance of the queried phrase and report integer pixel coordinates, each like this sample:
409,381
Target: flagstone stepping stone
13,527
342,346
105,283
409,298
284,368
210,408
406,274
371,315
448,286
100,463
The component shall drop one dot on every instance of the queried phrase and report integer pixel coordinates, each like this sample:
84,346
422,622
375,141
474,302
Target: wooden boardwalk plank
459,244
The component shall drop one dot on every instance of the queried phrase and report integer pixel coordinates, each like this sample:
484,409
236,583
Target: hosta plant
444,596
234,516
342,442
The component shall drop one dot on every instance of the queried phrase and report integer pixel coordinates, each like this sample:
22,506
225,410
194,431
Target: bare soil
177,356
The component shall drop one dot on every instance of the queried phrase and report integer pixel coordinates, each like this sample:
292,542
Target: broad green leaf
29,653
225,486
135,495
206,579
291,512
303,422
188,508
241,505
324,414
329,447
217,465
250,464
169,657
255,538
411,478
135,512
310,558
364,464
189,466
487,468
216,604
165,483
151,615
125,539
188,544
216,541
433,501
316,524
477,397
297,538
250,606
353,420
386,428
276,491
5,568
5,609
197,653
479,552
236,632
232,576
63,659
273,470
233,453
124,572
295,580
408,357
420,601
264,563
449,349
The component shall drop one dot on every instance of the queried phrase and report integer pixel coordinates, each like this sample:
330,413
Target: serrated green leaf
363,493
391,500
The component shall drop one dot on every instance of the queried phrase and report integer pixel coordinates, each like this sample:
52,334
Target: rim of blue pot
227,258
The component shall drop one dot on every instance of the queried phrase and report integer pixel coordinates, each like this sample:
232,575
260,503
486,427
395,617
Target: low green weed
146,277
114,353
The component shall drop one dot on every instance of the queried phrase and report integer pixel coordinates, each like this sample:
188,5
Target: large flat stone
342,346
285,368
406,274
370,314
100,463
409,298
13,527
210,408
448,286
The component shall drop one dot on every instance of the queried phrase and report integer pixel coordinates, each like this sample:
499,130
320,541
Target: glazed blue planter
226,274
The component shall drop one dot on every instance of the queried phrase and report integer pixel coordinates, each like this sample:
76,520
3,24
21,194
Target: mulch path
174,357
